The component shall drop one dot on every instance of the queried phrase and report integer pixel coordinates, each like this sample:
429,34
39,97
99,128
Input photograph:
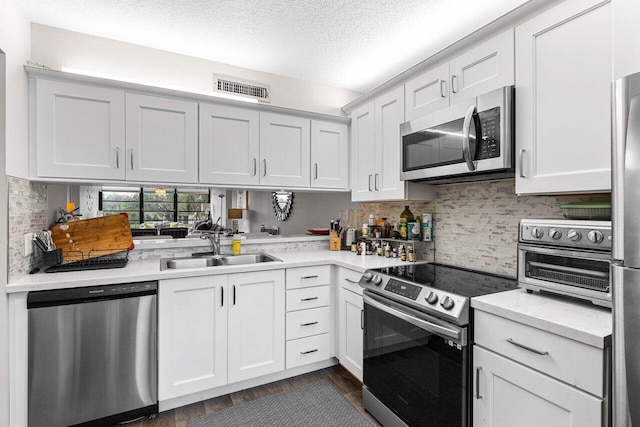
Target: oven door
415,365
465,138
578,273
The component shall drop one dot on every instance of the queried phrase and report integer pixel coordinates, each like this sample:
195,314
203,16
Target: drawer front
349,279
308,350
302,299
575,363
305,277
305,323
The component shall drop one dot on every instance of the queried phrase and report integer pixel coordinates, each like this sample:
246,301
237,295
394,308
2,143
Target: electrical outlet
28,244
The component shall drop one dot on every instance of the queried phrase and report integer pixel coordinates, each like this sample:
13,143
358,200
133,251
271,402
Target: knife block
335,242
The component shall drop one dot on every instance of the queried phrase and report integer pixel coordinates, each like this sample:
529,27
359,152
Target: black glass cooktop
461,281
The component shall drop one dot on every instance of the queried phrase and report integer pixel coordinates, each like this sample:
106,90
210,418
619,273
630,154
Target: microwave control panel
489,146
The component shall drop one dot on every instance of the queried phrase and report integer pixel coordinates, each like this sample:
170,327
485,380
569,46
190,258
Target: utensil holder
52,257
335,242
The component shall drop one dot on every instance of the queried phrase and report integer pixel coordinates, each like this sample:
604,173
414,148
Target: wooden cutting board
94,237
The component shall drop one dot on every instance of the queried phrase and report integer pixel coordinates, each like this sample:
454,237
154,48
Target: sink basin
247,259
200,260
190,262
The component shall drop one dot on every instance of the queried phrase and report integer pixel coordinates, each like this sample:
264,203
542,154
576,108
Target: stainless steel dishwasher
92,355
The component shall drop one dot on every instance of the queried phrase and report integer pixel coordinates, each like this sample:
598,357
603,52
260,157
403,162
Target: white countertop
136,271
574,319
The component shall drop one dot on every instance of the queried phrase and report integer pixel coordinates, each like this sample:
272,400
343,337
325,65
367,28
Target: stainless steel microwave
470,141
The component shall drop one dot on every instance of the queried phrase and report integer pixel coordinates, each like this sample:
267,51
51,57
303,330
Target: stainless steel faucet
214,238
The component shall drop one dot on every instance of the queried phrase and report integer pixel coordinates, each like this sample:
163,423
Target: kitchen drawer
349,279
302,299
308,322
308,350
304,277
575,363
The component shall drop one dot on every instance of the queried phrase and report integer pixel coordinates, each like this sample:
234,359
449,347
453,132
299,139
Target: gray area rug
317,404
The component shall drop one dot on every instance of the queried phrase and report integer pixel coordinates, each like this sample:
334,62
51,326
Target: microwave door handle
466,150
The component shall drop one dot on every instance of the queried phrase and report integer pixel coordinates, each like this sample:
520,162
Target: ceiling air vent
248,89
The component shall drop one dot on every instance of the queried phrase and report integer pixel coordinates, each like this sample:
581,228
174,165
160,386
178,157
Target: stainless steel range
418,337
566,257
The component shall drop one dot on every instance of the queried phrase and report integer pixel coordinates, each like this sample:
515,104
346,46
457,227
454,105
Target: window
176,205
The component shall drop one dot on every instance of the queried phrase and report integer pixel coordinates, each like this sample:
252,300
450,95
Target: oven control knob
537,233
555,234
432,298
367,276
377,280
574,235
595,236
447,303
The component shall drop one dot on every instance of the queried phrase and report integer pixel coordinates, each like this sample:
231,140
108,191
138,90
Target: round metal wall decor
282,204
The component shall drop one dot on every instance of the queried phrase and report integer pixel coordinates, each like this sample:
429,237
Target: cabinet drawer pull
370,187
309,277
309,324
362,319
442,86
521,161
234,294
117,157
131,154
255,166
478,369
316,168
310,351
376,182
454,83
308,299
264,167
221,296
355,282
533,350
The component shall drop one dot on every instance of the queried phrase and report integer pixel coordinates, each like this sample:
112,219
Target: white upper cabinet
79,131
162,139
481,69
563,117
285,150
329,155
229,145
375,152
626,42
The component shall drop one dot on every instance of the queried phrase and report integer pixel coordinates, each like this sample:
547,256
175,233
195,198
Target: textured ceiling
353,44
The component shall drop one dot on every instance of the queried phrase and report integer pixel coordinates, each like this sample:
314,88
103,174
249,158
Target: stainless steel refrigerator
626,251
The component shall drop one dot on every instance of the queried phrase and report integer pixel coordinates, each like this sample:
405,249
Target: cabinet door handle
264,167
370,176
454,83
533,350
315,165
308,299
376,182
310,351
255,166
351,281
131,156
308,324
521,162
362,319
221,296
443,85
117,157
478,369
309,277
234,294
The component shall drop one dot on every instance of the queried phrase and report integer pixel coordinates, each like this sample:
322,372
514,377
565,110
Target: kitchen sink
200,260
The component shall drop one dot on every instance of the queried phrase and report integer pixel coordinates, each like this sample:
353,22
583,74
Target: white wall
58,48
14,50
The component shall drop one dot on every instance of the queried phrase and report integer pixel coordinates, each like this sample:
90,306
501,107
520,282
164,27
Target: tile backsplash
27,213
475,224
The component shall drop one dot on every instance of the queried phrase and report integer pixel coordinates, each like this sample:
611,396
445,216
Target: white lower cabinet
350,311
217,330
192,335
256,324
508,394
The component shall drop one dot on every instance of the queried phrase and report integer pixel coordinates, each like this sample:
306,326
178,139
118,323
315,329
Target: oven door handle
420,323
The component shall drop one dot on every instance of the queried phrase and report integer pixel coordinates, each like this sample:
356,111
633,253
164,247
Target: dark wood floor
340,378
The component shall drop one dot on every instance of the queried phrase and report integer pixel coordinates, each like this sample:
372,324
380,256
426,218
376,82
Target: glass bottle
405,217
